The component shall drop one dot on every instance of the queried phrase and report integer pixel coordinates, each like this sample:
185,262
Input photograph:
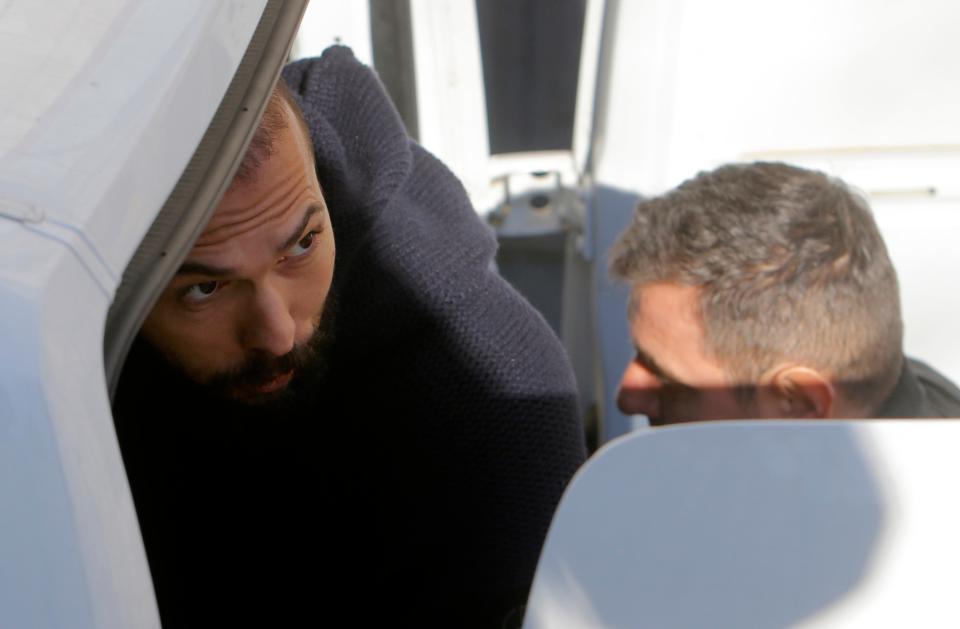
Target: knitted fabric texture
419,476
477,379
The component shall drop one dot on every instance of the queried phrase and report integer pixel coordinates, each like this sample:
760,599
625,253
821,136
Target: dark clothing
921,392
414,481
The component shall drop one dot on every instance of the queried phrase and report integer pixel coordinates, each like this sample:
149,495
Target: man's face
673,378
242,312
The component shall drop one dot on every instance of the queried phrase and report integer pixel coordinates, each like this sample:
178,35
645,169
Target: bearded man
336,411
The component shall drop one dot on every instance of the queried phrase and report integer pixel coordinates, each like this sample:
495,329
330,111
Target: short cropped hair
274,120
791,267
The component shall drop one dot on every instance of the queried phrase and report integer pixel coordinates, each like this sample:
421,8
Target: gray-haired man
765,291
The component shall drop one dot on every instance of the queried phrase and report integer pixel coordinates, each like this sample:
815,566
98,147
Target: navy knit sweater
417,481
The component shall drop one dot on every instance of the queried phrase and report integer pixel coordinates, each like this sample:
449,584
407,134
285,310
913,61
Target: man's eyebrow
199,268
647,361
298,233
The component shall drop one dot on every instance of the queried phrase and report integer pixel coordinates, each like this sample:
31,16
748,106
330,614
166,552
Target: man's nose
639,391
271,327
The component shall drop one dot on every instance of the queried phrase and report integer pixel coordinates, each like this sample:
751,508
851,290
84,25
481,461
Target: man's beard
308,360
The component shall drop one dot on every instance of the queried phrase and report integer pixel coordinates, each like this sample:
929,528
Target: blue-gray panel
610,212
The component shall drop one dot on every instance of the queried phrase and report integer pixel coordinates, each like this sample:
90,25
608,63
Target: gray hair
790,264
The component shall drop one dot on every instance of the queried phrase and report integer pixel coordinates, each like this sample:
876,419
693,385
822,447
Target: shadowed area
746,524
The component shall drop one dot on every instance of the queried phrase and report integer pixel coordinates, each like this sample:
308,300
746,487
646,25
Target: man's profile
336,412
765,291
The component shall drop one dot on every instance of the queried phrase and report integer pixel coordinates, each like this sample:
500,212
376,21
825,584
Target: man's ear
800,392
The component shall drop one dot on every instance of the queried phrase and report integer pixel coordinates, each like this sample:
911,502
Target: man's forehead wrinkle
273,203
226,232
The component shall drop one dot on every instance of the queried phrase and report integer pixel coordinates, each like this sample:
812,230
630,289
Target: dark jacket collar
908,398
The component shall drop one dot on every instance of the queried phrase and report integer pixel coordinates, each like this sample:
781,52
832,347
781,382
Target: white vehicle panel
696,83
112,98
70,549
106,116
452,110
758,524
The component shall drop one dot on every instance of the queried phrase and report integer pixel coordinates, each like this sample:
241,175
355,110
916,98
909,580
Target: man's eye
303,246
202,291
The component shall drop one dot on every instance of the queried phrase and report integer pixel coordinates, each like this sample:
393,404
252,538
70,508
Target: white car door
121,123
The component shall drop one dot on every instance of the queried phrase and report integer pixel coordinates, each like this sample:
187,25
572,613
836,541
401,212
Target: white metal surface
70,549
451,106
104,104
584,115
695,83
759,524
110,100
